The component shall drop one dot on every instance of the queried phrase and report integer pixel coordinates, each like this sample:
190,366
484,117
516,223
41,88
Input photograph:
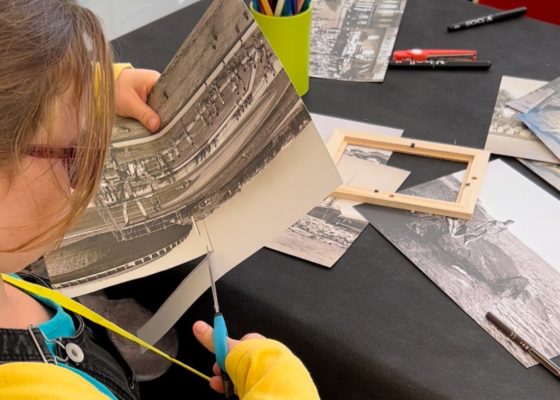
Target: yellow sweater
118,68
261,369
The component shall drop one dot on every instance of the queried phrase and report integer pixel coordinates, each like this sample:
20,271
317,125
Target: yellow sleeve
118,68
32,380
265,369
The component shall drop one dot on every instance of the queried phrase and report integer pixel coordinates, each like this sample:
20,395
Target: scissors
220,334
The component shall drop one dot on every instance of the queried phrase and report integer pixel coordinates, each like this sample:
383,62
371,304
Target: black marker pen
548,364
488,19
441,64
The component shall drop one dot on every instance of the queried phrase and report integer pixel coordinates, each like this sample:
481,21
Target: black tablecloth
373,327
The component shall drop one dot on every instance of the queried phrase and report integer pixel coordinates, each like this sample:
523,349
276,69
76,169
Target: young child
58,99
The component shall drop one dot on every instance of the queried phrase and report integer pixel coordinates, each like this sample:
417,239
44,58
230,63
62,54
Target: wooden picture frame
463,207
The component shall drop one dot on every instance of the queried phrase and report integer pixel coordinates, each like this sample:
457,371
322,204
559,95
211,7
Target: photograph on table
352,40
547,171
526,102
505,260
509,136
227,109
324,234
328,230
544,118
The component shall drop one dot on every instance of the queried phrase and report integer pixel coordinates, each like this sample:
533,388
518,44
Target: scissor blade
213,285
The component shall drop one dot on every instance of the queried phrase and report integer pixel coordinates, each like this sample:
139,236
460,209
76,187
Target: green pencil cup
290,39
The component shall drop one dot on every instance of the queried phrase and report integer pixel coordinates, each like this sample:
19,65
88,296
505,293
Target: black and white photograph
352,40
509,136
223,121
328,230
544,118
505,260
532,99
547,171
324,234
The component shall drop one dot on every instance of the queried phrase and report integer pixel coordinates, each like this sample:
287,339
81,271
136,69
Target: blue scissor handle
220,340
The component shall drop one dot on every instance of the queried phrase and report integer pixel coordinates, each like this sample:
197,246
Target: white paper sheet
266,206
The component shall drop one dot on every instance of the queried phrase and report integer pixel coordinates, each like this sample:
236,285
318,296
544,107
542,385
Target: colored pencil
266,7
279,8
287,8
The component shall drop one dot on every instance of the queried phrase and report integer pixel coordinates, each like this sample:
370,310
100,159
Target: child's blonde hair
50,48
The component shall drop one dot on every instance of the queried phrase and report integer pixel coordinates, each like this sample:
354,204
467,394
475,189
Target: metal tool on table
220,334
437,59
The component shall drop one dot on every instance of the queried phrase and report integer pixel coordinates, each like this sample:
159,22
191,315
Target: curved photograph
227,109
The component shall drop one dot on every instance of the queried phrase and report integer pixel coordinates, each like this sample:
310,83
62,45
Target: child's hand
131,93
203,333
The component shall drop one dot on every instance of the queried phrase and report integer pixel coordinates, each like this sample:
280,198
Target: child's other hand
131,93
203,333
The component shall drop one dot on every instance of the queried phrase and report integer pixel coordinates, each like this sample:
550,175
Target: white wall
122,16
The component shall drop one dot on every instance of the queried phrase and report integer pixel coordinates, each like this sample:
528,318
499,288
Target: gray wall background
122,16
